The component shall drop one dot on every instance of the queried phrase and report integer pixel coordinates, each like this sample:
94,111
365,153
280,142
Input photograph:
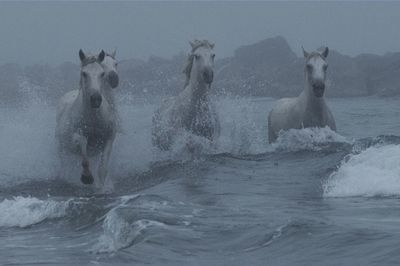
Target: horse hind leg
103,166
86,176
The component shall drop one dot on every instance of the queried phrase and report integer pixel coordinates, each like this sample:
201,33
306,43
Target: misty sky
53,32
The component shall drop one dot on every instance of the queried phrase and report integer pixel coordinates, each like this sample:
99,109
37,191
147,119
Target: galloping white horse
309,108
191,109
86,118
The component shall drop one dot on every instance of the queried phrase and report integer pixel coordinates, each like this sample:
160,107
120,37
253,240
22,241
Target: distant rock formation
266,68
260,69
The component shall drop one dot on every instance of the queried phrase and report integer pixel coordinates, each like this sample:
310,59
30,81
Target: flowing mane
195,45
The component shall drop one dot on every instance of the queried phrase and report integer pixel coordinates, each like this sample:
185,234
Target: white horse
86,118
192,109
110,65
309,108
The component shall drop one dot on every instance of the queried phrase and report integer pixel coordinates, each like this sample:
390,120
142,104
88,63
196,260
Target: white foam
374,172
25,211
312,139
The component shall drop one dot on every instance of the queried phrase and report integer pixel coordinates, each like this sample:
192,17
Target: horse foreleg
103,167
86,177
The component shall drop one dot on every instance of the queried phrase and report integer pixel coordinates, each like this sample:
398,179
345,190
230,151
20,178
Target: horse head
92,78
201,61
110,67
315,69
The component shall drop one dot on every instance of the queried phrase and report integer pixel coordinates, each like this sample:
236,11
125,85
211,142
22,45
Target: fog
52,32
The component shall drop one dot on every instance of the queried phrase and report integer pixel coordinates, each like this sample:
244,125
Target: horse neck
312,106
109,96
309,99
198,98
198,89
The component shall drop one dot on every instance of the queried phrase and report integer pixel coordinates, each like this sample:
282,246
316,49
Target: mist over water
314,197
243,201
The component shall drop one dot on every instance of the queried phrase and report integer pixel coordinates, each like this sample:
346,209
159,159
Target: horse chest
101,131
96,132
200,121
315,119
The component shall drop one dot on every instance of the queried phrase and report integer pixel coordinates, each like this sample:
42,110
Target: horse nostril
208,76
113,79
319,88
95,100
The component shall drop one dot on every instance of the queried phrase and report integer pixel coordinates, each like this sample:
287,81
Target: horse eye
197,56
213,56
309,67
102,74
84,74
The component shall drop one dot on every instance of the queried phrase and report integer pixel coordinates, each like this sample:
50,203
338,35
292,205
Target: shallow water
313,198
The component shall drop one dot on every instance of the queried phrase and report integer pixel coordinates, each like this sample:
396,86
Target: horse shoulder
286,114
286,107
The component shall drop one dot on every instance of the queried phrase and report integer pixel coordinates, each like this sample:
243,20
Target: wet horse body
91,124
86,118
192,110
309,109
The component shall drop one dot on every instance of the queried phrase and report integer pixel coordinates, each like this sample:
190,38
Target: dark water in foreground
314,198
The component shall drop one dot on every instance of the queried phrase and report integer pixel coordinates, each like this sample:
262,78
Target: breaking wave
25,211
373,172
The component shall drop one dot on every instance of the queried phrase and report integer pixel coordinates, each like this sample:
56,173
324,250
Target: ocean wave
25,211
373,172
120,232
137,218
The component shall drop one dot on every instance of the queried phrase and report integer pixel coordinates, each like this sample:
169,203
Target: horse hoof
87,179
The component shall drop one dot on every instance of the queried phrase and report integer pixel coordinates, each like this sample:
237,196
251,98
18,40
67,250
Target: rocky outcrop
266,68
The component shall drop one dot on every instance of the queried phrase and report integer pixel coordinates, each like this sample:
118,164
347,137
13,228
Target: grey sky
53,32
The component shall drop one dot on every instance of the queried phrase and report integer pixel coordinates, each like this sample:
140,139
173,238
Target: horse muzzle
95,100
113,79
319,89
208,76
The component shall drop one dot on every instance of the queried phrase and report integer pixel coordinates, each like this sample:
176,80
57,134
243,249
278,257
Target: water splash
25,211
311,139
373,172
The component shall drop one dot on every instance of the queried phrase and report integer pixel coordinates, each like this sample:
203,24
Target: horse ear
212,45
325,52
82,55
305,53
101,56
114,53
192,44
